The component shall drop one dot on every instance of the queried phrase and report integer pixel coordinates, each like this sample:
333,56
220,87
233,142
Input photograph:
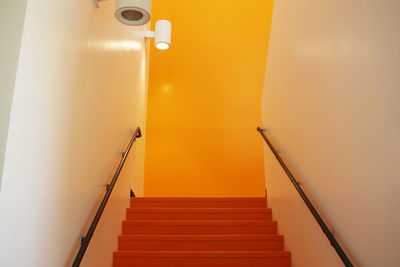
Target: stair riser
197,230
137,215
201,262
163,245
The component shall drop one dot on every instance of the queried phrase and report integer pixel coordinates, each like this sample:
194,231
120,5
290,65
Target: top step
196,202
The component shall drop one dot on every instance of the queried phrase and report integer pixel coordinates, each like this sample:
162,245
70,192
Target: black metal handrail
310,206
86,239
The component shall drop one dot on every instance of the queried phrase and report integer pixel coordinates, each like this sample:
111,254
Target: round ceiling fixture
133,12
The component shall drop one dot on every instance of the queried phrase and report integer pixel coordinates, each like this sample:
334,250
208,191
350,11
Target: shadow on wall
12,16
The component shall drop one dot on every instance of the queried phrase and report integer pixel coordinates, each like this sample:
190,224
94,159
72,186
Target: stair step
193,202
198,214
200,243
184,231
201,258
160,227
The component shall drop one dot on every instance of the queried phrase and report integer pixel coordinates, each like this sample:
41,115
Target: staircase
234,232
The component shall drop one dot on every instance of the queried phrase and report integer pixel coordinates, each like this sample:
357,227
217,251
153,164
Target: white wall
12,15
80,91
331,106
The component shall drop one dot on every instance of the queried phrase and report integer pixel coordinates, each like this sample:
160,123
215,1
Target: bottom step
199,258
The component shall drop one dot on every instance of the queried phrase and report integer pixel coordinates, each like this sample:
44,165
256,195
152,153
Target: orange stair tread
199,222
198,199
203,254
200,210
202,237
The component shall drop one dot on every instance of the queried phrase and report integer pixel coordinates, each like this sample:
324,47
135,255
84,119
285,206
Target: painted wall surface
12,15
330,104
80,91
204,100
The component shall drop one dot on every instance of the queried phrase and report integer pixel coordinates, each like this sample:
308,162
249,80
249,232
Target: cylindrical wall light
163,34
133,12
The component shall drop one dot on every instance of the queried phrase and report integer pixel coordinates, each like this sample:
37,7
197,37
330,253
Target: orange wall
204,100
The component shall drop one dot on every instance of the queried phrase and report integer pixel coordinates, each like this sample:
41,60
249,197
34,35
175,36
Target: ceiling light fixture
133,12
138,12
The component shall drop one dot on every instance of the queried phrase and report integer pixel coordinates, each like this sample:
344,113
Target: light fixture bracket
96,2
149,34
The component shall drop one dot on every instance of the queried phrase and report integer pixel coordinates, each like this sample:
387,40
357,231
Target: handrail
86,239
310,206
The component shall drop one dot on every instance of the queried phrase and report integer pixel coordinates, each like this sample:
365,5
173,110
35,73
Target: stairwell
200,232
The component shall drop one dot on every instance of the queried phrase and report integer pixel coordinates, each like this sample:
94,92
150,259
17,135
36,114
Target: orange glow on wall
204,99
